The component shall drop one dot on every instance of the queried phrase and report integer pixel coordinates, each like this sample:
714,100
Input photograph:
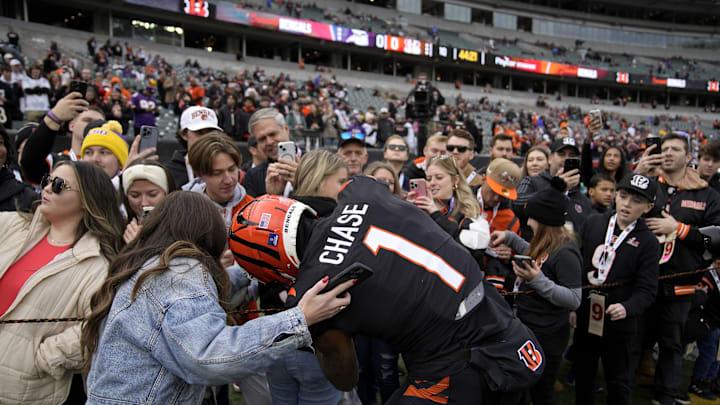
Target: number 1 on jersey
377,239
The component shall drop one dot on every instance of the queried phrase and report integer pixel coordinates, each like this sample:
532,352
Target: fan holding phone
551,267
446,197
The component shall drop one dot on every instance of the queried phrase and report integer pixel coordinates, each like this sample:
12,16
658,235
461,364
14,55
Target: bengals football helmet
263,238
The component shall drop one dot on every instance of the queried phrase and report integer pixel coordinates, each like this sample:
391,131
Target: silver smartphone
286,150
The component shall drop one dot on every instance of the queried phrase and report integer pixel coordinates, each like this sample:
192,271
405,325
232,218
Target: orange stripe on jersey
292,292
684,289
345,185
430,393
682,230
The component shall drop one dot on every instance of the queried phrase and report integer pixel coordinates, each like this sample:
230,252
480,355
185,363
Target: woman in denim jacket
159,329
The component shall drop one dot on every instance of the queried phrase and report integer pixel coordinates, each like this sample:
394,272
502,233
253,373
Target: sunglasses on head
349,135
58,184
459,148
401,148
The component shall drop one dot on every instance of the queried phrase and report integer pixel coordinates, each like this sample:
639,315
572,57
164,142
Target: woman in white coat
50,265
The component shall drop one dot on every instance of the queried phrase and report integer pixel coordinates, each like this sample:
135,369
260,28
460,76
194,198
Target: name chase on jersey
342,234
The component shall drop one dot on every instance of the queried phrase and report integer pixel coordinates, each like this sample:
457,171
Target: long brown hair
184,224
100,202
373,167
548,239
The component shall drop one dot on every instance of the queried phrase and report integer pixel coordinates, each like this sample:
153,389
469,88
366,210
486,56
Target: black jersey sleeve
37,147
710,217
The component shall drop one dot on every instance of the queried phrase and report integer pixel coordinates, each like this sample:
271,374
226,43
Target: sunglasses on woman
58,184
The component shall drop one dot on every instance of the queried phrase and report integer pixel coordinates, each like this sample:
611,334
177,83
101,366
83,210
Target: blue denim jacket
170,341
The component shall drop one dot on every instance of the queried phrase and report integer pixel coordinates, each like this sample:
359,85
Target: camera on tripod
420,103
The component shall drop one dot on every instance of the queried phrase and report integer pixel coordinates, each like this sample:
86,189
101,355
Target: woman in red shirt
50,265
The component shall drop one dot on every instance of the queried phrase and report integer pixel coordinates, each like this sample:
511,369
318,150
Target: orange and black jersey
421,277
693,205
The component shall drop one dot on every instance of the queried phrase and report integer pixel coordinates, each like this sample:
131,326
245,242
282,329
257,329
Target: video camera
422,101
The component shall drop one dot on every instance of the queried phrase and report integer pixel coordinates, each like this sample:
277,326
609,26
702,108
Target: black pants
554,343
615,350
378,368
670,317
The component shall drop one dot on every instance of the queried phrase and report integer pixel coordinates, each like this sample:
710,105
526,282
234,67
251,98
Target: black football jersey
421,275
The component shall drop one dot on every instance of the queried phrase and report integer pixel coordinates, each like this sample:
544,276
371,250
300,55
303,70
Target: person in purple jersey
145,107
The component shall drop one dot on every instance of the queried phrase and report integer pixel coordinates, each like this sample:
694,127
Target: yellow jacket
37,360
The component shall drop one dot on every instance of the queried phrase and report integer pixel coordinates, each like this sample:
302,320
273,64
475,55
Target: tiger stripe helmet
263,238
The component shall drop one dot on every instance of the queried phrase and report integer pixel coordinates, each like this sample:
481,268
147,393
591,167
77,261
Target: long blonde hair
313,168
466,202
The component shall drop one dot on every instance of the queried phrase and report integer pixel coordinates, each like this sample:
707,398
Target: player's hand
227,259
497,238
527,272
649,162
134,155
318,307
131,230
616,311
571,178
662,226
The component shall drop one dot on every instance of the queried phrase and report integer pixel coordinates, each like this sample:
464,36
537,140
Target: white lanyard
482,206
604,255
471,177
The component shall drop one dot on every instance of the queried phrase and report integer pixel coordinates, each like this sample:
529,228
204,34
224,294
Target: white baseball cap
196,118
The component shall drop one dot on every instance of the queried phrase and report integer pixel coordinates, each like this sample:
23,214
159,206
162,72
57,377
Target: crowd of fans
76,217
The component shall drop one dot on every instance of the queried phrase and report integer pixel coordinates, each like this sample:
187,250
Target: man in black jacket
617,248
269,128
687,203
194,122
227,117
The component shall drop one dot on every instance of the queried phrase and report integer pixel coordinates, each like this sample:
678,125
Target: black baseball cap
639,184
562,143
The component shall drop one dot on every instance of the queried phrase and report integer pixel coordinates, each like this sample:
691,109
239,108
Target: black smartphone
520,259
356,271
653,140
571,163
148,137
79,86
